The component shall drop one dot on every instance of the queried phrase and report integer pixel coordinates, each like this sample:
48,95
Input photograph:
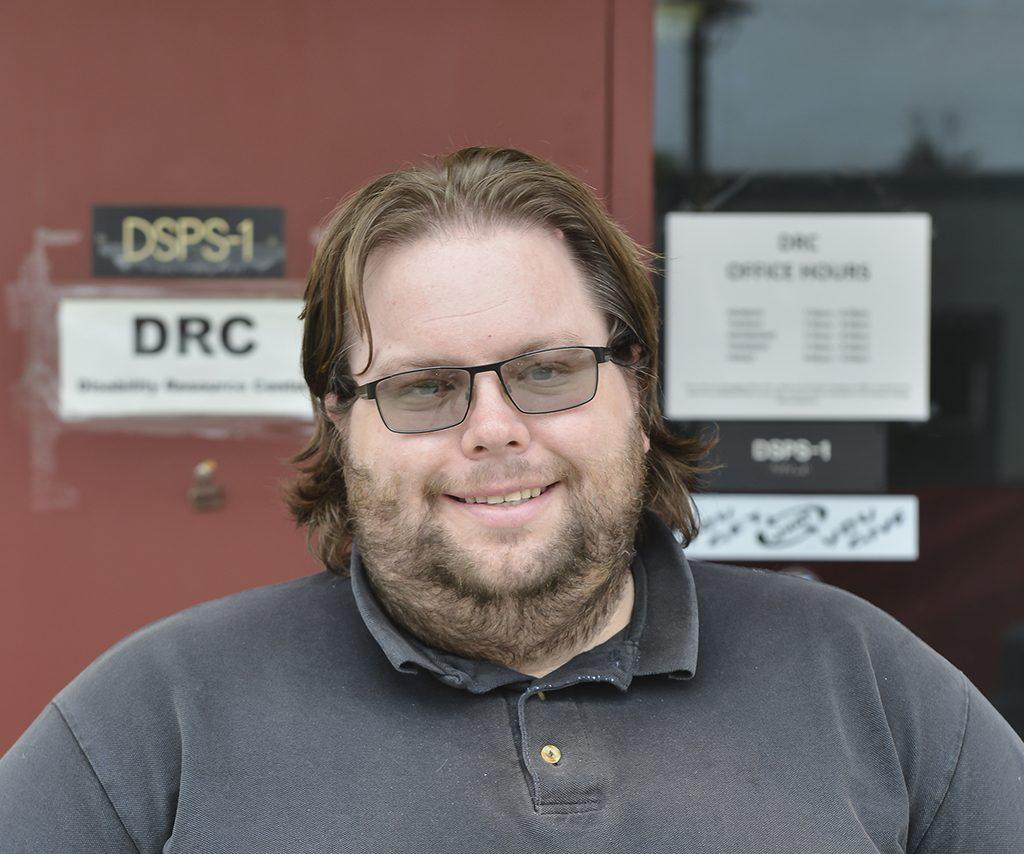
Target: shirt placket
563,772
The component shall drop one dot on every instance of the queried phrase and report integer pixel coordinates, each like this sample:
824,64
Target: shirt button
550,754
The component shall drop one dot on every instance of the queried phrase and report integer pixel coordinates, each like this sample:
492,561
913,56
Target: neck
617,620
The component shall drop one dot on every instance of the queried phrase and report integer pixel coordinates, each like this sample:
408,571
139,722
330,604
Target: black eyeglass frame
368,391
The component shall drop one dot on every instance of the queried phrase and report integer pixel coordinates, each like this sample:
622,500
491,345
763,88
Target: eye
424,389
545,373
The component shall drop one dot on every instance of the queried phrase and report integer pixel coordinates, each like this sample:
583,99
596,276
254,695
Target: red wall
288,104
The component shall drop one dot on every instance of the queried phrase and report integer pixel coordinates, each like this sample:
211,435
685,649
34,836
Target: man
522,660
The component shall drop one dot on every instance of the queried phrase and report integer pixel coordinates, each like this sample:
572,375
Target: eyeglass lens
437,398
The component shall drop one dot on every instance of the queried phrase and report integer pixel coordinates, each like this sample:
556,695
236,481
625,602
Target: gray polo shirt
791,717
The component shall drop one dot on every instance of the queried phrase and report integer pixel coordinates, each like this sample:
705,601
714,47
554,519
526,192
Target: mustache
487,473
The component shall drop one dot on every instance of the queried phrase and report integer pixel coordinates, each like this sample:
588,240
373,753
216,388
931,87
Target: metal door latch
205,493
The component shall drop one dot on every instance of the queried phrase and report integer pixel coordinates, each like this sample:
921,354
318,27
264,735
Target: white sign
806,527
797,316
141,357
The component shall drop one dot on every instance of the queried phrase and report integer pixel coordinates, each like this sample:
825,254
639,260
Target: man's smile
506,511
502,495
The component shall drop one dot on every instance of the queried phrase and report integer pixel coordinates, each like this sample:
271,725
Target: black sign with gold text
188,241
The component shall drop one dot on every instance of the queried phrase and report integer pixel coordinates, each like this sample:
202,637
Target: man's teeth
511,498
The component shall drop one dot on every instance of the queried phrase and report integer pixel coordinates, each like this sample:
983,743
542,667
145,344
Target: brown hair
473,187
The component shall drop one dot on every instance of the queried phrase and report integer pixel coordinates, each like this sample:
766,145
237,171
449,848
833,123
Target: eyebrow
398,364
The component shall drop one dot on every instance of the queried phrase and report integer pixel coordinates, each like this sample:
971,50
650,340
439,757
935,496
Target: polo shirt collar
670,631
660,639
404,652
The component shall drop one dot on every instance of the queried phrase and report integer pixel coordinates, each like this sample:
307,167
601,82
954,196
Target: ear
330,403
636,353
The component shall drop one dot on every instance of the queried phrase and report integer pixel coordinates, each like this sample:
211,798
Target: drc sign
188,242
123,358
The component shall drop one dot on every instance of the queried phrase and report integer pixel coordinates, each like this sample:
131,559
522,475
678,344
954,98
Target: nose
493,425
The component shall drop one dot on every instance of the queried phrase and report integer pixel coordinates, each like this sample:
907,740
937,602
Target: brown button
550,754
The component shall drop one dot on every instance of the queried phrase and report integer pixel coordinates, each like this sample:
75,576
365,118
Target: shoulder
198,641
156,678
819,637
798,649
135,711
845,658
798,611
801,623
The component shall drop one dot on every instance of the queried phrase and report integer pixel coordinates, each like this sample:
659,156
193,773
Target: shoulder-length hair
474,187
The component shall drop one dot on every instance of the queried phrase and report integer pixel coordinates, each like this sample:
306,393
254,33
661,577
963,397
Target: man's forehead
400,356
473,299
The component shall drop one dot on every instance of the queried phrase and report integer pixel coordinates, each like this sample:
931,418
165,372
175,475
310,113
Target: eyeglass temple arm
607,354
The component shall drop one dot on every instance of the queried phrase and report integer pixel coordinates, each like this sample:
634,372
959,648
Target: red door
243,103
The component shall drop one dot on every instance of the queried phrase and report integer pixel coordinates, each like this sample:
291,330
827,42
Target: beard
508,601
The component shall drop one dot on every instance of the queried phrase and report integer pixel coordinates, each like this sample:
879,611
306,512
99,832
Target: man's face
471,298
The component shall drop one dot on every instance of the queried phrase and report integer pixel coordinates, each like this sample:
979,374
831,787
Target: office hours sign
123,357
797,316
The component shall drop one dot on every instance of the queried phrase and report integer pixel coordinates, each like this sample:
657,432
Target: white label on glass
806,527
786,316
155,357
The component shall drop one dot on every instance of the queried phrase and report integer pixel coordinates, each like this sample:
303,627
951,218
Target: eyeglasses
431,399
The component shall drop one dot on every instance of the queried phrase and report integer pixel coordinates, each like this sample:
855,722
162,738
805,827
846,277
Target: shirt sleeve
50,797
982,809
